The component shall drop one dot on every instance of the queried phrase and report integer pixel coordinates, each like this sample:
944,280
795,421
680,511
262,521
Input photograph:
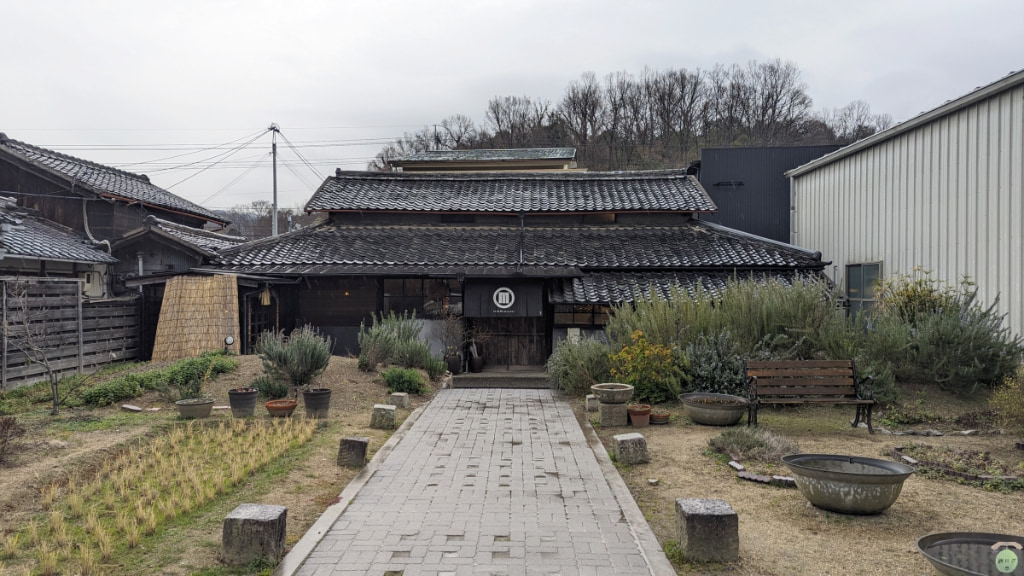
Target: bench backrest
803,377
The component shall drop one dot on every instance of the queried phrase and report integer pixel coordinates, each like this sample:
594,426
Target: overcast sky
134,83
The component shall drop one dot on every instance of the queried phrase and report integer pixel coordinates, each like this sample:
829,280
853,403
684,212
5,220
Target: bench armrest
865,387
751,388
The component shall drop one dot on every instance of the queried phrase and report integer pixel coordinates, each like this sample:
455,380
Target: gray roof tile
197,237
512,192
103,180
22,234
406,249
617,287
488,155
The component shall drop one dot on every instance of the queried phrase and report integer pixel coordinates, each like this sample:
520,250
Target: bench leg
868,410
864,415
752,414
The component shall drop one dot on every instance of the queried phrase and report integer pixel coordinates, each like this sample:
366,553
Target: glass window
861,285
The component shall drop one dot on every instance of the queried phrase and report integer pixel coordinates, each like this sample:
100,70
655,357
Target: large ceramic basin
971,553
612,392
847,484
713,409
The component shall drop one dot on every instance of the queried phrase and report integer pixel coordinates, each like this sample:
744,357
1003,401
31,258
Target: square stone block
252,532
383,417
612,414
631,448
709,530
591,403
399,399
352,451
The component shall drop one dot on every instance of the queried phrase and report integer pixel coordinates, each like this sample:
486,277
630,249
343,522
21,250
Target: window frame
864,298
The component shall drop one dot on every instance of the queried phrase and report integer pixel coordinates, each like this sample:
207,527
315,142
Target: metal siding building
749,186
942,191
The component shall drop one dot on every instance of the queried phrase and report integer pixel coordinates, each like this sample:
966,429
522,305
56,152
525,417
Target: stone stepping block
352,451
383,417
631,448
254,532
399,399
708,530
592,403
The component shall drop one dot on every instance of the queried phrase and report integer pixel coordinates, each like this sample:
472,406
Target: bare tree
516,120
253,220
854,122
582,113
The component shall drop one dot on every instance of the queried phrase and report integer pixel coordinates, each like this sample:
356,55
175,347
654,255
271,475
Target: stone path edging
297,555
649,546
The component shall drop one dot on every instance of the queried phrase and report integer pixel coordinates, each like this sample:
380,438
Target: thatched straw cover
198,312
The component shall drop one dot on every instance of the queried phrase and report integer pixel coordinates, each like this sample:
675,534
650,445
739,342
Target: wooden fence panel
46,323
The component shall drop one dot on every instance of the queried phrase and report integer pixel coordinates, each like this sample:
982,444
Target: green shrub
404,380
411,354
112,392
269,387
650,368
435,367
298,358
909,296
1008,401
387,340
748,443
715,365
363,363
577,365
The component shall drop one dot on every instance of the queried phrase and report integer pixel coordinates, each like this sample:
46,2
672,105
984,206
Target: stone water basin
974,553
612,392
847,484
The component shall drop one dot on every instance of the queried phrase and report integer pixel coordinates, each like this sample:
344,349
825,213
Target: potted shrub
243,401
659,416
299,359
453,338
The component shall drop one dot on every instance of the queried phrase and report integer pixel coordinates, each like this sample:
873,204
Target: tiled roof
23,235
103,180
532,251
490,155
197,237
512,192
616,287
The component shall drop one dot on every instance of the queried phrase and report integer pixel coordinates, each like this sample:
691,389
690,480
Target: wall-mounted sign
495,298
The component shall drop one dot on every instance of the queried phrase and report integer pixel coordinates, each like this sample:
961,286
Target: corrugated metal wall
749,187
946,196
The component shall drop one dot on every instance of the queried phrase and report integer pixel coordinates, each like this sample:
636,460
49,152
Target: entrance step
502,377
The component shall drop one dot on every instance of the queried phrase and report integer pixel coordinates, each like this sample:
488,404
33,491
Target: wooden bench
808,382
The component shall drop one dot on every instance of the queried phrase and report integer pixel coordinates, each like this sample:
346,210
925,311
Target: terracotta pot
660,418
281,408
639,414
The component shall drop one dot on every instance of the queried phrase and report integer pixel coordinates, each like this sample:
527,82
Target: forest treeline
657,119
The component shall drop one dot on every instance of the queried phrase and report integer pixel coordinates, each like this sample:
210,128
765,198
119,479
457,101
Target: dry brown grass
780,532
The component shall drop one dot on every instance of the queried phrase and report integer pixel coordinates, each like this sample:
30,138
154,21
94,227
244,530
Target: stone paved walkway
486,482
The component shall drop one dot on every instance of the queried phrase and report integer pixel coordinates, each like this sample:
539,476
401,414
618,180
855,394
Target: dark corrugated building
749,186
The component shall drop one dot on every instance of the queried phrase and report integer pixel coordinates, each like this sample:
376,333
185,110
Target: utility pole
273,150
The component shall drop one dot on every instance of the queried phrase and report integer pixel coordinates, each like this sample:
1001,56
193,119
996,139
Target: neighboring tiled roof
103,180
495,155
532,251
511,192
23,235
617,287
198,237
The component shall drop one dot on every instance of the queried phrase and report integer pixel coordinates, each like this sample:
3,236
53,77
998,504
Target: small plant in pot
659,416
299,358
243,401
639,414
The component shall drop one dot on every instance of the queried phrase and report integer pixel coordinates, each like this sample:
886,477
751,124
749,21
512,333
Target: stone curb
651,550
304,547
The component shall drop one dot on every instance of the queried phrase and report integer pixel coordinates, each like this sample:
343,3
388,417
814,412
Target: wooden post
81,344
3,361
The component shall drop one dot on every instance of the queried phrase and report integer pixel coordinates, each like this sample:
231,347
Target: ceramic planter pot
317,402
639,415
281,408
194,407
242,401
712,409
454,363
967,553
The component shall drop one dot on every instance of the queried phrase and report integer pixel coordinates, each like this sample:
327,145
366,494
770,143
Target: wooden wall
46,322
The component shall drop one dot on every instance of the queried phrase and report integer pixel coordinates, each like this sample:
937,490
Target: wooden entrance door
514,341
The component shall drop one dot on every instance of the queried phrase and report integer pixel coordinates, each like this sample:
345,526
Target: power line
225,157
